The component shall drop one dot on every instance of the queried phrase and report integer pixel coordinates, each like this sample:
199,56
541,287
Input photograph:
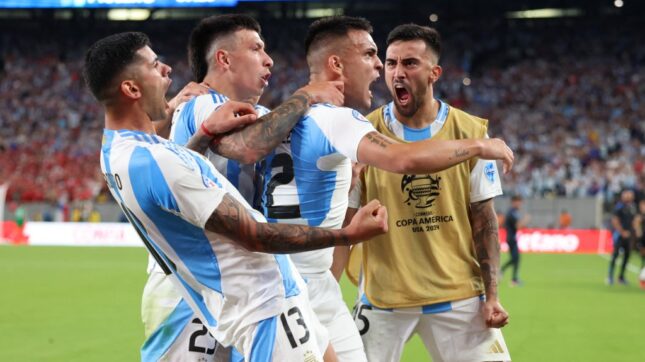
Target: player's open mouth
402,95
265,79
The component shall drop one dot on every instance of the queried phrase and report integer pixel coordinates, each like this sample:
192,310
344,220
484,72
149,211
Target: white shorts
452,331
173,332
327,302
294,335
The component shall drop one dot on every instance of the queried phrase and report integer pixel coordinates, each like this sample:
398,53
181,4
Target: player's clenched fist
369,221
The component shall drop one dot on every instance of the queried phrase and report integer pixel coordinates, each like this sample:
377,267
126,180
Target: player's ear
435,73
222,58
335,64
130,89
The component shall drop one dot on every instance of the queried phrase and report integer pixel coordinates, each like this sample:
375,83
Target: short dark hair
209,30
333,27
516,198
108,57
411,31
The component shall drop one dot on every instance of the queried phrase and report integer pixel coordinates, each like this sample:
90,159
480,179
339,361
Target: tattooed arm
428,156
233,221
253,142
483,221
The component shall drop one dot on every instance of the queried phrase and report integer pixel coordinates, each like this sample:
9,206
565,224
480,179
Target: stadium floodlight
68,4
128,14
543,13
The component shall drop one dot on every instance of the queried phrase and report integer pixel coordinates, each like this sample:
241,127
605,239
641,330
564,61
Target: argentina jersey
187,119
307,177
168,193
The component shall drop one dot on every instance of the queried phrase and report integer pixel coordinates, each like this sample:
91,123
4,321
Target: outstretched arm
233,221
486,237
253,142
430,155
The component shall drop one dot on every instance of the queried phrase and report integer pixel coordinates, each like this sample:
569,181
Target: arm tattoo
233,221
461,153
378,139
255,141
486,237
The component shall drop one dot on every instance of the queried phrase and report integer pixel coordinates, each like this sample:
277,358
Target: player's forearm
417,157
254,142
341,253
437,155
486,239
233,221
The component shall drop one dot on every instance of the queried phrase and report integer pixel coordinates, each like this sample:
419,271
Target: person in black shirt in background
639,226
624,233
513,222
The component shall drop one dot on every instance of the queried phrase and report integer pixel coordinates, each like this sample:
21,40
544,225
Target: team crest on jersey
489,171
359,116
421,189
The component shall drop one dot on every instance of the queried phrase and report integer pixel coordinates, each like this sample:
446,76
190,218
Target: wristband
206,131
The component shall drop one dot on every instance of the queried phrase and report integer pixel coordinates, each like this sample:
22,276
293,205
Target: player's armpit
232,220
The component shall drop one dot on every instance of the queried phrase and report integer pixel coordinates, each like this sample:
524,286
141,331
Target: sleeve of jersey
344,128
193,113
485,182
195,191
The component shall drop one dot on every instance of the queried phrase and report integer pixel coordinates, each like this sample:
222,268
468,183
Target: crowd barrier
574,241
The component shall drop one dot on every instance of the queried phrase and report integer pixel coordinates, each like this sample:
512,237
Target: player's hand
494,314
325,92
496,149
369,221
229,116
189,91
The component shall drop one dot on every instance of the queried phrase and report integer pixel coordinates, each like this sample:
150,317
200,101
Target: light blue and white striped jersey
187,119
168,193
307,177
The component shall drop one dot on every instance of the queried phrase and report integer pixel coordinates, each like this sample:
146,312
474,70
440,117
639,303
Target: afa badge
489,171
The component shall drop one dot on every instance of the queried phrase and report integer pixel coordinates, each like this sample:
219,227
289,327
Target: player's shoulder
465,118
322,111
376,115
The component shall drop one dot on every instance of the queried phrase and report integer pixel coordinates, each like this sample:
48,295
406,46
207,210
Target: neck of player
227,89
128,116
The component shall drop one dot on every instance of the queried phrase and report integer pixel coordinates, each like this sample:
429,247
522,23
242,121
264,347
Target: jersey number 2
284,161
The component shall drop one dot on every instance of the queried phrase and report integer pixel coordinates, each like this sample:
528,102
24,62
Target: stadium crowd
572,108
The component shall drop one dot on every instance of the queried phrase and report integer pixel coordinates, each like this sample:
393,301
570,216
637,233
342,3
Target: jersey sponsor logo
421,189
489,171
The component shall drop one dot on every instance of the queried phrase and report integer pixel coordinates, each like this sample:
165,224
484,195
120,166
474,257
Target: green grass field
82,304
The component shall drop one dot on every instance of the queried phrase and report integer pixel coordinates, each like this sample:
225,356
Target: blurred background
561,81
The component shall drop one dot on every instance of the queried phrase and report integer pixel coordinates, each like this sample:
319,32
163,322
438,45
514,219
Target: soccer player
308,176
434,273
623,223
227,57
196,224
